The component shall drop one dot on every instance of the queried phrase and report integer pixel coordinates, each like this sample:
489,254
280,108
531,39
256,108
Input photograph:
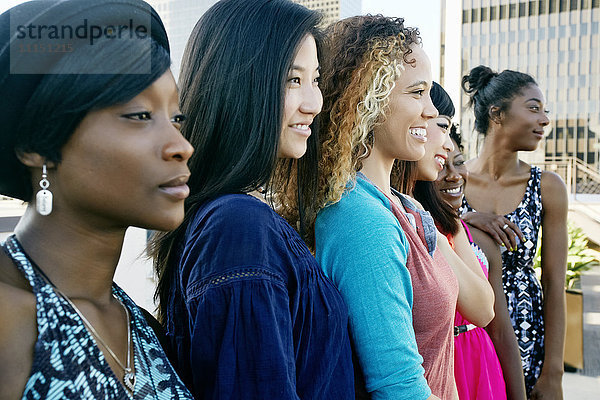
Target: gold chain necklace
129,374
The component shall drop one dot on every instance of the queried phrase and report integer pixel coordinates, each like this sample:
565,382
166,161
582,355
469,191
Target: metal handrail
589,171
575,173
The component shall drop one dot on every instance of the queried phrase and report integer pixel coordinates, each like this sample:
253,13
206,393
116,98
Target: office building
180,17
556,41
333,9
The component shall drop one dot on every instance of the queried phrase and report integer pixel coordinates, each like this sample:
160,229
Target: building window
573,29
465,19
475,15
522,9
573,5
503,11
484,14
562,31
562,5
585,4
591,158
493,13
532,9
552,6
512,11
522,35
543,7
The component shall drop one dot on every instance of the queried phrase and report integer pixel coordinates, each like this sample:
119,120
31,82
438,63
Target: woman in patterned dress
510,200
103,136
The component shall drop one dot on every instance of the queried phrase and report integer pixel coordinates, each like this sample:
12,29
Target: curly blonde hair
364,56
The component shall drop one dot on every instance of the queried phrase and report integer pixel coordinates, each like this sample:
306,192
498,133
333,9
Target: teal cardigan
362,248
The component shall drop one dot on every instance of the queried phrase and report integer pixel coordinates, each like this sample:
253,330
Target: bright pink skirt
477,370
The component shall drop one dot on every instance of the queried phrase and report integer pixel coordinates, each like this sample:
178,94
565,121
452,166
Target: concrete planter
574,339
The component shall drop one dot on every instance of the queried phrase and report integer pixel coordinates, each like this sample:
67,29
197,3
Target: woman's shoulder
553,191
363,214
235,231
361,200
551,180
18,329
235,205
233,212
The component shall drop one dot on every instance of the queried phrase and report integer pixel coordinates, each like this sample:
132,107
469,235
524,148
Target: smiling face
403,134
437,148
303,100
524,122
125,165
451,180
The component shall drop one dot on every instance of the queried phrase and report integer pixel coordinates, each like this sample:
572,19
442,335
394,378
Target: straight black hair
41,107
446,217
232,90
442,101
62,99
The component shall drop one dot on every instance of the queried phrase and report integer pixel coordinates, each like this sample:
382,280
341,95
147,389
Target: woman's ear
495,114
34,160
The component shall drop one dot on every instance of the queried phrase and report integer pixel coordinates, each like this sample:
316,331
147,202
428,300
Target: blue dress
521,286
67,363
251,314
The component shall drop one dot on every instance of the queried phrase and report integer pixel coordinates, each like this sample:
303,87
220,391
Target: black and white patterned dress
521,286
67,363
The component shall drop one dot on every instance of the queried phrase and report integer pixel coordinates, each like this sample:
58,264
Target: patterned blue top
67,362
251,314
524,295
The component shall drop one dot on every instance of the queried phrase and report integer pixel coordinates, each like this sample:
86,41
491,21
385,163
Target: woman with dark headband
89,137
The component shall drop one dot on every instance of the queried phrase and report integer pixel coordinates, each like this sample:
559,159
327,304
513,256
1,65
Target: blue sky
423,14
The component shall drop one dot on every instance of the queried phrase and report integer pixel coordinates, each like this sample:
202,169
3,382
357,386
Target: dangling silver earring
43,199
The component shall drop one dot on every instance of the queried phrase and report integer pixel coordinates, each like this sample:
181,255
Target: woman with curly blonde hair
374,245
